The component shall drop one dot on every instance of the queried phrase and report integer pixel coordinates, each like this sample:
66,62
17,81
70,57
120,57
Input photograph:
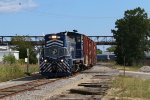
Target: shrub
10,59
21,61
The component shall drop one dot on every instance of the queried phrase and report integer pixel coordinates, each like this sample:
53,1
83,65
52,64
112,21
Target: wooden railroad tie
89,91
100,85
77,97
101,77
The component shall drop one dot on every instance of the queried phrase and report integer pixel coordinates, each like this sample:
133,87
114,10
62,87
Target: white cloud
16,5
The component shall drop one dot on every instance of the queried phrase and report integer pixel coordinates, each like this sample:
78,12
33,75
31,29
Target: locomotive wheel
82,67
75,68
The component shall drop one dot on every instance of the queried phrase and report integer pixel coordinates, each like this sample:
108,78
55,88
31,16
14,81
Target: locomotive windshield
55,51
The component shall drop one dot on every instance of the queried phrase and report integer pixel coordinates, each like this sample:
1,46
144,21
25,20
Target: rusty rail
9,91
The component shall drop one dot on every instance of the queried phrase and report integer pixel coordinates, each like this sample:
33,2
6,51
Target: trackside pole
27,62
124,65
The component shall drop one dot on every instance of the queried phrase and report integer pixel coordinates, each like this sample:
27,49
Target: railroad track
9,91
93,90
13,90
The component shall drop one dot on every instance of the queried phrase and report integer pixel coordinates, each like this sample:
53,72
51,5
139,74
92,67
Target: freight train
65,53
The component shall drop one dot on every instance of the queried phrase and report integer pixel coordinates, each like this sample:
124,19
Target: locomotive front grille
55,65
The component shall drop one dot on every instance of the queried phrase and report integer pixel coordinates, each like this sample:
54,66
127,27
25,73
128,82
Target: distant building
4,50
106,56
147,55
111,56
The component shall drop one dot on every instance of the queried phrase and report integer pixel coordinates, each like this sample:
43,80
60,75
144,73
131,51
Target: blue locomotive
65,53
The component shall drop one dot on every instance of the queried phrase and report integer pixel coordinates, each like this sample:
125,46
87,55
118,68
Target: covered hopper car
65,53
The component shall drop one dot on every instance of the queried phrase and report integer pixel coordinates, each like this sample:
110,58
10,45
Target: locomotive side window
78,39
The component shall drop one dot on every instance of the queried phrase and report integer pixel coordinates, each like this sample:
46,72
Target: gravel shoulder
19,81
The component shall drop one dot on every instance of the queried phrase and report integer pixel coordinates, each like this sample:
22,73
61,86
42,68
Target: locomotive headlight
54,37
45,60
62,60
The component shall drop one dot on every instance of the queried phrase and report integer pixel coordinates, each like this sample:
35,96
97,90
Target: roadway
136,74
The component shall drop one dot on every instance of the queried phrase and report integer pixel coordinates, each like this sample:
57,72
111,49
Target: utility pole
39,55
124,58
27,62
124,64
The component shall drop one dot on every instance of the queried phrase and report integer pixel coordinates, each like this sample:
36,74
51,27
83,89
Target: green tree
131,34
111,49
98,51
21,44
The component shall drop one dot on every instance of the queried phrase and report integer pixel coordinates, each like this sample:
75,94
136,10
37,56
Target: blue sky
37,17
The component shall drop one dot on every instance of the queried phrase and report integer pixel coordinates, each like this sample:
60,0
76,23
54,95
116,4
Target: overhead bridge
103,40
38,40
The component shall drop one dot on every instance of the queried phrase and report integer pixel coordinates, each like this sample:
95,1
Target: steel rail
9,91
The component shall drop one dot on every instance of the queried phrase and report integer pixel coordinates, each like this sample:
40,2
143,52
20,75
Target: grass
112,64
131,88
8,72
127,68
